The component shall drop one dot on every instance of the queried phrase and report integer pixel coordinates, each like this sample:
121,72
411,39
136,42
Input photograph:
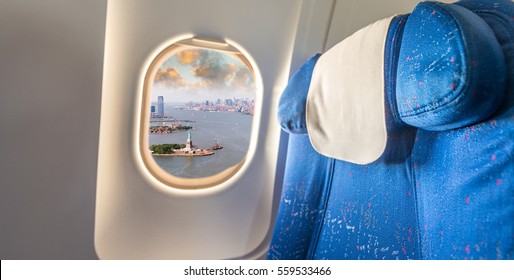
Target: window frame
150,164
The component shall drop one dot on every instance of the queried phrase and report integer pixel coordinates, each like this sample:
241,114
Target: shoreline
183,154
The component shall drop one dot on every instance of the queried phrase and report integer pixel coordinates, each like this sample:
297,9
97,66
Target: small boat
217,146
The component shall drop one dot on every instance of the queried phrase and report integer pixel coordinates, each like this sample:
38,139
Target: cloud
216,72
170,77
239,77
212,74
188,56
204,70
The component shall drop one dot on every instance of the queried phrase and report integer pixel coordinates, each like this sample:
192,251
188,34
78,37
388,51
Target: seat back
443,187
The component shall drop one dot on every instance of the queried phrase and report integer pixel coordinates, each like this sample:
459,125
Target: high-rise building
152,111
160,107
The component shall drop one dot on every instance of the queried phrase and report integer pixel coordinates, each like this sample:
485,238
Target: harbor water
231,129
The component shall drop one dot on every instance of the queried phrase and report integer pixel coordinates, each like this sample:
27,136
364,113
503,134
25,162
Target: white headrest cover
345,106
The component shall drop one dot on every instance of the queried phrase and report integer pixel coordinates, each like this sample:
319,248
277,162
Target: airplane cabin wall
352,15
51,57
230,220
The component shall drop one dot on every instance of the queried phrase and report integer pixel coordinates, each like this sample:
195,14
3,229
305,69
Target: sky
201,74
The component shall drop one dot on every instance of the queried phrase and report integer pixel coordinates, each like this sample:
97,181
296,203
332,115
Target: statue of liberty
189,142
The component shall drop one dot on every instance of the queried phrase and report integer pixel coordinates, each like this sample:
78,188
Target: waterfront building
160,107
152,111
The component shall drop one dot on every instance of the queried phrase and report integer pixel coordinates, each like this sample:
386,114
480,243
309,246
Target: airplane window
198,107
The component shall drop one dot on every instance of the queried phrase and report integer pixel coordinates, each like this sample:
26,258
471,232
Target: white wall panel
138,216
352,15
51,56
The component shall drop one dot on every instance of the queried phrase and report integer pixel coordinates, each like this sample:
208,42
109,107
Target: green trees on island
168,129
166,149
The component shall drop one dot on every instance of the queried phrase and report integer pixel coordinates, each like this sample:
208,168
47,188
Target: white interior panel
352,15
137,216
51,56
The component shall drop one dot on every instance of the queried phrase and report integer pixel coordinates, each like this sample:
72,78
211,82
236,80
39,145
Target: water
231,129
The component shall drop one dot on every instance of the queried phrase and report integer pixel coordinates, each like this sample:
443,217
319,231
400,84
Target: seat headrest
450,73
346,97
451,70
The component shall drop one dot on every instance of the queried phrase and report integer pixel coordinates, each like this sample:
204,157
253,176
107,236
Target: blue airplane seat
442,185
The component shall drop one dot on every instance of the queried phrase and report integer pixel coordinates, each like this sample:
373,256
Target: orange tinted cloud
170,77
188,56
224,75
208,72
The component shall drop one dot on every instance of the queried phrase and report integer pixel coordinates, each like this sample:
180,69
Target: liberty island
188,151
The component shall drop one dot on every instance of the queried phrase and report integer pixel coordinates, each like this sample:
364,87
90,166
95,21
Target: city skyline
242,105
212,101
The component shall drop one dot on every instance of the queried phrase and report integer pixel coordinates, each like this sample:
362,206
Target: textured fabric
292,103
346,97
332,209
440,194
466,176
303,201
451,69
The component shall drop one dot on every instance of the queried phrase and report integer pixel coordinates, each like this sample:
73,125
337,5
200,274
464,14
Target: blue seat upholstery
444,186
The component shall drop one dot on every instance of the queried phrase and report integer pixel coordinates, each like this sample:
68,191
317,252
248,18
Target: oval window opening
198,107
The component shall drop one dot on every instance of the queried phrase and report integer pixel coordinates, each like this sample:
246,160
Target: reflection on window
200,104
